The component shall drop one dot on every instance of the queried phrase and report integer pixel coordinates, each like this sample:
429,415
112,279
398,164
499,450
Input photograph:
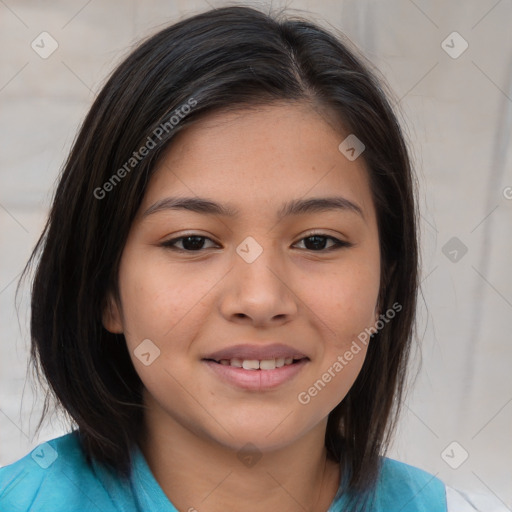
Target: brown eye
318,243
190,243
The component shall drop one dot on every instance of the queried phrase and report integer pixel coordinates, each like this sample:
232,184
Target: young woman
225,289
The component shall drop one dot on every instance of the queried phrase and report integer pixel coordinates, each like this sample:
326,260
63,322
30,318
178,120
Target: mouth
256,367
246,356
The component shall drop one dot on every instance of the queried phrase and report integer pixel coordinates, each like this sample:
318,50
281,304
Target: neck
197,473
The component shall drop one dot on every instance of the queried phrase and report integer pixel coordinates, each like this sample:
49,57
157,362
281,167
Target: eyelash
338,244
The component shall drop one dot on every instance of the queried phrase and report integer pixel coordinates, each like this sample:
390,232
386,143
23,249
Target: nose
259,293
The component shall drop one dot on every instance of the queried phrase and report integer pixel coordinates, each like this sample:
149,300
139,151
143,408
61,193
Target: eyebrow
295,207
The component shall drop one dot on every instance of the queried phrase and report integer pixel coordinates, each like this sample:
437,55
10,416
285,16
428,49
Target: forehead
257,157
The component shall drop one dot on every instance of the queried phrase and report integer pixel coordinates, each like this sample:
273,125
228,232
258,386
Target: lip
260,352
256,380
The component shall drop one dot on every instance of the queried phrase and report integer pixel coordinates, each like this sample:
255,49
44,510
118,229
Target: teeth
268,364
255,364
251,364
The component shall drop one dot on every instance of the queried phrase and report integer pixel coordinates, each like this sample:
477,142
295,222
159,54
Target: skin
192,303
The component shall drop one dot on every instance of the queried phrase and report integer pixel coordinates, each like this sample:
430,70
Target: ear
111,315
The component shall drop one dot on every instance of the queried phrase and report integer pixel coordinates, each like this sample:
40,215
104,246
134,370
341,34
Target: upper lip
259,352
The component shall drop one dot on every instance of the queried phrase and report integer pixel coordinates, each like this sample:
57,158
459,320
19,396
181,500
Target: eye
317,242
190,243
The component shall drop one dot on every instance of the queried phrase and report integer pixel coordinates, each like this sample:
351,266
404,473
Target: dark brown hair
226,58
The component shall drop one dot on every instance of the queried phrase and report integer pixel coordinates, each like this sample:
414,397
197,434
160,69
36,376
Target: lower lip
256,380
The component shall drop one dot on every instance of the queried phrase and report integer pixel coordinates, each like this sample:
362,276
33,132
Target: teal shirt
55,477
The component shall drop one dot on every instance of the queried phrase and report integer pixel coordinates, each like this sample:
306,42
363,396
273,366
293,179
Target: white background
458,116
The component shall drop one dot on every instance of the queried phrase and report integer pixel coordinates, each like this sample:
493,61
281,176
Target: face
248,280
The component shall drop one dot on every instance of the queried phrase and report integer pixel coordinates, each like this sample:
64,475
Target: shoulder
55,474
414,489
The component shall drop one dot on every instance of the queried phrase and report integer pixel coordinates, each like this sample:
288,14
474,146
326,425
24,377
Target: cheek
332,379
345,300
156,296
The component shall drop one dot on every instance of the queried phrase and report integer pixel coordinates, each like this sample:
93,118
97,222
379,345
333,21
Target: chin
266,436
